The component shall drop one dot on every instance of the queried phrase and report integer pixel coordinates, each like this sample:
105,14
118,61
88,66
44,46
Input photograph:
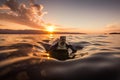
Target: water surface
17,49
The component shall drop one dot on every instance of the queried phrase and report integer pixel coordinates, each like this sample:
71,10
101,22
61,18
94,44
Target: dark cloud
2,2
13,5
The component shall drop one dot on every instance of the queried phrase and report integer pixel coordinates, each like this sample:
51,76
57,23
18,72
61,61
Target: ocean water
24,50
90,43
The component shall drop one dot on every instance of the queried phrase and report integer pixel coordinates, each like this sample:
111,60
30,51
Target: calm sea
91,43
15,48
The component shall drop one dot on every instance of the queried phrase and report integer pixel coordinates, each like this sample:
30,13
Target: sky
79,15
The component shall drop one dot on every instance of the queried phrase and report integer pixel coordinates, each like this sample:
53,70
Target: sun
50,29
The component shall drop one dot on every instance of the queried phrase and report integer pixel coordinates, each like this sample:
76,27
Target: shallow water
20,47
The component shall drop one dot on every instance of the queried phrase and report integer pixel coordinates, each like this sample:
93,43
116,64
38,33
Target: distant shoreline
114,33
8,31
42,33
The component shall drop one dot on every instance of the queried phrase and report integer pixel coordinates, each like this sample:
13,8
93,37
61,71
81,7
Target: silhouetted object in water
60,49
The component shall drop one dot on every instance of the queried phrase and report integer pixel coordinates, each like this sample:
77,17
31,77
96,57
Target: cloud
13,19
1,25
4,7
24,13
115,27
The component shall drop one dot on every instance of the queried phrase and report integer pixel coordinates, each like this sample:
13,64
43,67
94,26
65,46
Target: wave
118,48
26,59
19,50
102,65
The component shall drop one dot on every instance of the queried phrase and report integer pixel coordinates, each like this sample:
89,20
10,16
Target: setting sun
50,28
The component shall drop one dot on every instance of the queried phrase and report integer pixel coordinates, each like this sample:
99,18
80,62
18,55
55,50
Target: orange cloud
115,27
25,14
4,7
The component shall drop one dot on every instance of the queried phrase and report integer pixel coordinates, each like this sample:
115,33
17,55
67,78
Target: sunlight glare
50,28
